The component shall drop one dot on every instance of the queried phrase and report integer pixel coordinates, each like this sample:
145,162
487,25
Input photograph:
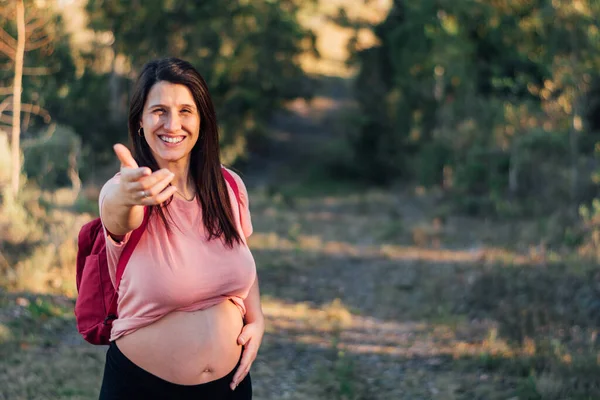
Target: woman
189,298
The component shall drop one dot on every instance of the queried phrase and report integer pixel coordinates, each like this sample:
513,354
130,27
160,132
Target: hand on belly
188,348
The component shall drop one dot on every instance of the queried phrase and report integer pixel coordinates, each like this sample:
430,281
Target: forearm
252,303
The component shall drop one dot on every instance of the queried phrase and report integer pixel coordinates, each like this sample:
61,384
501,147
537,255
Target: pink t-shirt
182,271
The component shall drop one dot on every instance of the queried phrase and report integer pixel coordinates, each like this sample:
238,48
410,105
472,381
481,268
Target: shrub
53,160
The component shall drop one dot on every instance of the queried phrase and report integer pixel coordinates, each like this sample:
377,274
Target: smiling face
171,123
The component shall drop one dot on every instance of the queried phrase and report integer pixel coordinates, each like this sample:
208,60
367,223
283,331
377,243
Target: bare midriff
188,348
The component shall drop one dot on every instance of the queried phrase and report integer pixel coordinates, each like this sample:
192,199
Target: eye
186,111
158,111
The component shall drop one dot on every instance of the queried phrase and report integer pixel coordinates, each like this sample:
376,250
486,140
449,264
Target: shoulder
244,203
236,177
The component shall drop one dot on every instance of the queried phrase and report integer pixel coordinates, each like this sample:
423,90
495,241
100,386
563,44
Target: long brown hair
205,164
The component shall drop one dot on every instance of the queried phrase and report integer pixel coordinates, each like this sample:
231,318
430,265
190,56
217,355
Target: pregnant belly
188,348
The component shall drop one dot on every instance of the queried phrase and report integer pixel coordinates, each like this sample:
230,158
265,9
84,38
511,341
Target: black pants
124,380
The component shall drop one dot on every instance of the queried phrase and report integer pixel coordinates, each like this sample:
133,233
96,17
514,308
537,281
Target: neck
182,180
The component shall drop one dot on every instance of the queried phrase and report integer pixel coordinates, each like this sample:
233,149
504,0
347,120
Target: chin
169,156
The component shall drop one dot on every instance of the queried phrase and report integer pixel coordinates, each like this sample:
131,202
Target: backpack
96,304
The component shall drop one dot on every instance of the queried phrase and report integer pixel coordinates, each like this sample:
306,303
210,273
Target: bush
52,161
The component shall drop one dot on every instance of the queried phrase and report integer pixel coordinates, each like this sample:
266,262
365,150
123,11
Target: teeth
171,140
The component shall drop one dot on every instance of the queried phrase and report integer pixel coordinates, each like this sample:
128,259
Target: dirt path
362,290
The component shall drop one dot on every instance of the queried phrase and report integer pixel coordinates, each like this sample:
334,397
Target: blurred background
422,175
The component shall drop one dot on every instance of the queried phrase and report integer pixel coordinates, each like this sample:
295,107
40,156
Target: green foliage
43,309
527,390
492,92
247,52
87,107
590,216
50,159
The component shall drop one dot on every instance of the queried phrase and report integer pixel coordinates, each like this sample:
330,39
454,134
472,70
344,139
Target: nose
173,122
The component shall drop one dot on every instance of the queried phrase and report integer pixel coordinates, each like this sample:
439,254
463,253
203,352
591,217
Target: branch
5,104
8,39
31,108
36,35
37,110
32,26
5,119
37,44
5,91
30,17
41,139
37,71
9,52
3,262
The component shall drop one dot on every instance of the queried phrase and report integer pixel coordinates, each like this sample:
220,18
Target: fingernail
233,386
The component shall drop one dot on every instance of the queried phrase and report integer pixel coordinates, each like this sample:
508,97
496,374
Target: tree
247,52
573,39
29,36
486,90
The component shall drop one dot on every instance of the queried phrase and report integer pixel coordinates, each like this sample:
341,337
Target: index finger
244,368
124,156
134,174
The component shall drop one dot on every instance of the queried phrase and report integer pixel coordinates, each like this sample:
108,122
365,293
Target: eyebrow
180,105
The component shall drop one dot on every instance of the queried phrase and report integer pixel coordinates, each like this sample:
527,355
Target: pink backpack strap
231,180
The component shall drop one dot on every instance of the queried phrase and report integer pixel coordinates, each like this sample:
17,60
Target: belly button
208,371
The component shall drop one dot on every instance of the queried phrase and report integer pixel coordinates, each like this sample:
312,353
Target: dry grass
349,316
38,240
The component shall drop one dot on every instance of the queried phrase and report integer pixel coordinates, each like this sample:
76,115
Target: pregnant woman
190,321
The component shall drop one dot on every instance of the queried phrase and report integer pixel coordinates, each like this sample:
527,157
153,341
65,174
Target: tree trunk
73,171
113,85
513,170
17,86
576,128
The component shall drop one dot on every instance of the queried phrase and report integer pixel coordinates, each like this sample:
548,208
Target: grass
38,240
368,294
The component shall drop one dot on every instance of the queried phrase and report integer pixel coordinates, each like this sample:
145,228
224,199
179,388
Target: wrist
254,317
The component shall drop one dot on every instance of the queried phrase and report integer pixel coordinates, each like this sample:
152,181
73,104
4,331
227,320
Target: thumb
124,155
243,337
